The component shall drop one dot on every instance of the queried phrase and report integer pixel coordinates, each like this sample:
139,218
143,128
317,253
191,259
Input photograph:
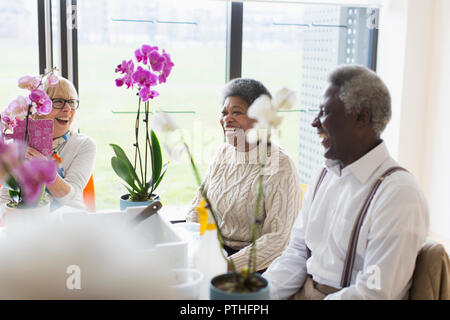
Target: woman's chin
59,130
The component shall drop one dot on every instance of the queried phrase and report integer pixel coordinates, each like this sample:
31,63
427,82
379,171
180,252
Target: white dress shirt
391,235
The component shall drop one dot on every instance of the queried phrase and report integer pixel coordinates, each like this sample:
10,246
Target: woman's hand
33,153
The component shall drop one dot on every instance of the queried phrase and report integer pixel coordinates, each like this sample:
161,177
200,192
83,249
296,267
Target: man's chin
328,154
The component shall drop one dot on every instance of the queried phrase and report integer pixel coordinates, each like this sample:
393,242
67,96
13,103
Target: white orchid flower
163,122
284,99
18,108
263,111
252,135
175,152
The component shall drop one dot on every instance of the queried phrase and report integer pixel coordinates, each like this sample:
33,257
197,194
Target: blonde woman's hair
65,89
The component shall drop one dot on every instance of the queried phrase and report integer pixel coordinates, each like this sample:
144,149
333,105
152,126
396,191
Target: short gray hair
360,88
247,89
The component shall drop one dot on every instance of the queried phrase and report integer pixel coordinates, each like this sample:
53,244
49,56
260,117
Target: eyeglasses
60,103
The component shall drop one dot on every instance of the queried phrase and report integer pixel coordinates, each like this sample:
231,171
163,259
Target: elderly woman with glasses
74,153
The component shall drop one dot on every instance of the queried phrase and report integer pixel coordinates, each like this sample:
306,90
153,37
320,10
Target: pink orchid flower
126,68
161,64
11,156
140,56
122,68
32,175
144,78
166,69
119,82
143,53
42,101
156,61
145,94
18,108
52,79
29,82
146,49
8,121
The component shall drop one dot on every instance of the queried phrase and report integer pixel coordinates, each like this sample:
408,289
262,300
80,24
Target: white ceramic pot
219,294
185,283
25,216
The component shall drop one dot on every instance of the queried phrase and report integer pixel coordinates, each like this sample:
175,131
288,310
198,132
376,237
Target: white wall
390,63
414,61
436,157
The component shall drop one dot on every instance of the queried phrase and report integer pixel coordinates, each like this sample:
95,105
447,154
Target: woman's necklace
58,145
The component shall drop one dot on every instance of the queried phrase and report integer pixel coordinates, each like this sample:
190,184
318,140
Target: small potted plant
247,283
25,179
154,69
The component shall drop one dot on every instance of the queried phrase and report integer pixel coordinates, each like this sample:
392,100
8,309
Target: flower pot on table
126,203
25,216
216,293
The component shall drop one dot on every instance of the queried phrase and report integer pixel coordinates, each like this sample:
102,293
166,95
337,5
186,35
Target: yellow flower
202,216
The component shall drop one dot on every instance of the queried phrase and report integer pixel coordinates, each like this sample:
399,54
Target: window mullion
74,33
63,44
234,40
45,36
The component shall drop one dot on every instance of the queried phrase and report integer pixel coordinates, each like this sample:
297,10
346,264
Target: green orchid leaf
156,157
123,171
147,187
121,155
12,184
130,191
163,172
14,195
155,185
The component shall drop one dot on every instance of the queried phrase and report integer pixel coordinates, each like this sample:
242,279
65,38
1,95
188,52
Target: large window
19,53
297,45
194,33
279,43
272,52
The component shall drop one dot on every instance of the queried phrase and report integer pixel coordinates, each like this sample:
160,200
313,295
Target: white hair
247,89
65,88
360,88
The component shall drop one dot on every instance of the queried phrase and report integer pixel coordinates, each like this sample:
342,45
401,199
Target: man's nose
316,122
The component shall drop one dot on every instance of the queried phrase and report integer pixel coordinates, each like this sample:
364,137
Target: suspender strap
322,175
351,251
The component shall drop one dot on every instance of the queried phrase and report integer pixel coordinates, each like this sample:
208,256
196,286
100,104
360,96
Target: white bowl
185,283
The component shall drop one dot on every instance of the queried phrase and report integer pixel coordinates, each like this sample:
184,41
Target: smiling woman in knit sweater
232,179
73,152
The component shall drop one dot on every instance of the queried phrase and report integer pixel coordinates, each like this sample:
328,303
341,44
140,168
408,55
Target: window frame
69,39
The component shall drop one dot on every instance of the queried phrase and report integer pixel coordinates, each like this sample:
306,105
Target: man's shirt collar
362,168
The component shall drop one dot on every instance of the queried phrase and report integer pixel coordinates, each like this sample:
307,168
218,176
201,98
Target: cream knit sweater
231,183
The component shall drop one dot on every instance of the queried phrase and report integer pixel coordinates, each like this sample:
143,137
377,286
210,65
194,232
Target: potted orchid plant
154,69
247,283
25,179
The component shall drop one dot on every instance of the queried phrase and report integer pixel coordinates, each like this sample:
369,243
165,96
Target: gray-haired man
352,240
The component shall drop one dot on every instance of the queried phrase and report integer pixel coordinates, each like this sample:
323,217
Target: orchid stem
203,193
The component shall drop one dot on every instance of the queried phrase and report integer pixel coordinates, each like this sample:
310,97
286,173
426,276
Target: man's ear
364,117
